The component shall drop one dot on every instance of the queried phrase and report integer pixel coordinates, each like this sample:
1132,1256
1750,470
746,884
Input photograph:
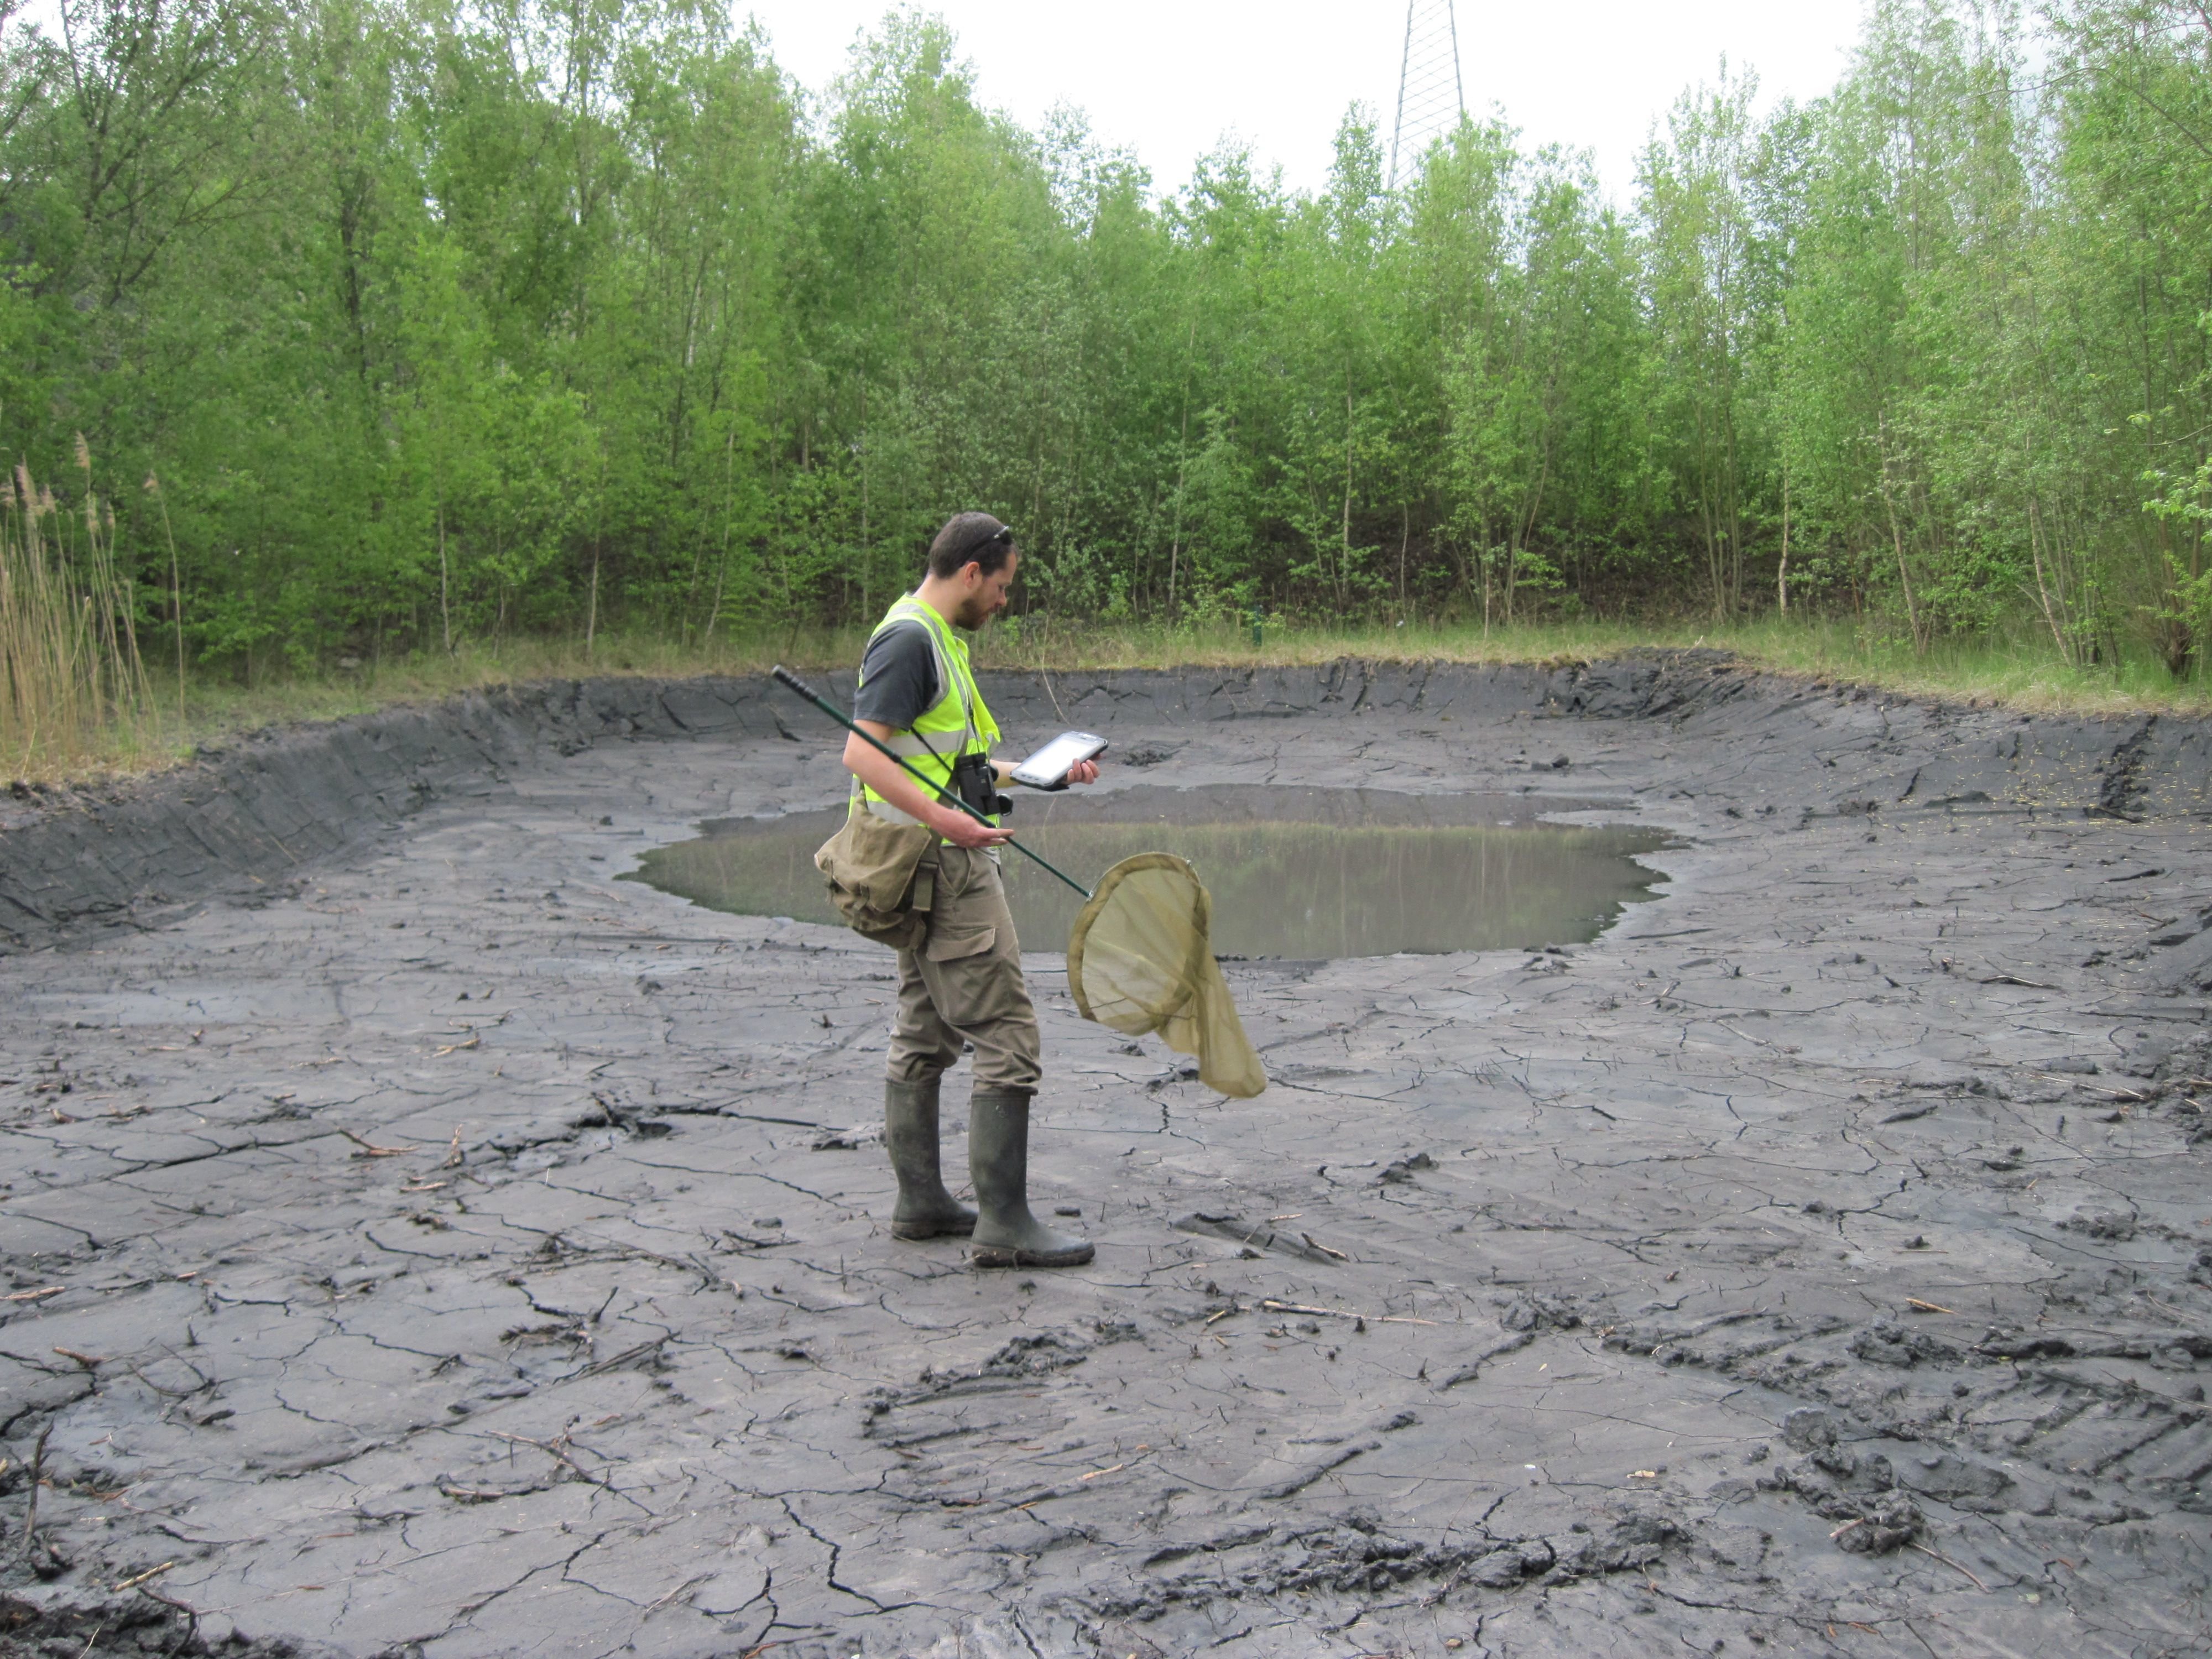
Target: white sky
1167,78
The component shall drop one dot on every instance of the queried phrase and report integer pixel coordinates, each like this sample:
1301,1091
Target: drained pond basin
418,1242
1304,873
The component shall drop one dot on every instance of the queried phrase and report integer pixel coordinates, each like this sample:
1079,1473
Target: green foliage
446,326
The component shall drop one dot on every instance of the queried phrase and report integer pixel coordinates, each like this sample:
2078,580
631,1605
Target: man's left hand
1083,772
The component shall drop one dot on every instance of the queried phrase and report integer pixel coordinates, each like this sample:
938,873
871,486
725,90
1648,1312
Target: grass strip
2015,672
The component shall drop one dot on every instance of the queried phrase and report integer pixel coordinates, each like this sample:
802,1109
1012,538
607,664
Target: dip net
1141,959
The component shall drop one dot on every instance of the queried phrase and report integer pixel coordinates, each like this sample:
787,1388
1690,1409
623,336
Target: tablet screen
1050,763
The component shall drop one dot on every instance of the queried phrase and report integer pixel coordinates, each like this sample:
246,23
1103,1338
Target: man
918,697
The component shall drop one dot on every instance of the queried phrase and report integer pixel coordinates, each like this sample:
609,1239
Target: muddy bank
422,1241
244,818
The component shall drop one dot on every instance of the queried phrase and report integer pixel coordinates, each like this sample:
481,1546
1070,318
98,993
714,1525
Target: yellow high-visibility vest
957,723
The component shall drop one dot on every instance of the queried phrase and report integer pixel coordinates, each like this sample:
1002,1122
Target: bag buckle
923,893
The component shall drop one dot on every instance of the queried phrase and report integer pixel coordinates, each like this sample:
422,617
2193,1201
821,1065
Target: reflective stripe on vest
957,723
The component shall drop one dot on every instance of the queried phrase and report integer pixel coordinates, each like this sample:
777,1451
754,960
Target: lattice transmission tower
1430,98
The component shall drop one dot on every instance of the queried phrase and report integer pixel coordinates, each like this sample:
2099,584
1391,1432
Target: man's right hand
896,785
956,827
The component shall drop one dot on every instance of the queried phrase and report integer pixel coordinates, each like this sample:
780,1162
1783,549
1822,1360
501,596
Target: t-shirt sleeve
898,677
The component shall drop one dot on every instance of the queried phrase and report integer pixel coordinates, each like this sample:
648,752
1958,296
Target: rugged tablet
1049,768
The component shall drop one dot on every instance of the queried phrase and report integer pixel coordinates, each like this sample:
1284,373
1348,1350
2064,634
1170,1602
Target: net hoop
1101,896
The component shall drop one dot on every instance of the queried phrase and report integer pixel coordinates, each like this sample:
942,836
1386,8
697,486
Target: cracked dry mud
419,1241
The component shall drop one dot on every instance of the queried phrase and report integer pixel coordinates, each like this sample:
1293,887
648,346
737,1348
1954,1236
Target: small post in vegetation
1781,574
722,570
1343,550
599,545
1896,539
592,611
2067,650
445,584
176,589
1183,458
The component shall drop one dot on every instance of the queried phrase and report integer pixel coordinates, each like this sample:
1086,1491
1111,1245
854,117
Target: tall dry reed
73,692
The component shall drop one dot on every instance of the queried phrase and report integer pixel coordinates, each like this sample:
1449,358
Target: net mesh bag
1140,959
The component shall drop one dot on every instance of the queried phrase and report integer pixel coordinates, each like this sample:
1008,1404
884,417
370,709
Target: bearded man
962,982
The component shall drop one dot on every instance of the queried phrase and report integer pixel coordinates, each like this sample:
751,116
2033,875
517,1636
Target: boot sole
1000,1256
914,1232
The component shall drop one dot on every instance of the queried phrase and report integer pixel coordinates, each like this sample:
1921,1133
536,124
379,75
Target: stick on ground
31,1508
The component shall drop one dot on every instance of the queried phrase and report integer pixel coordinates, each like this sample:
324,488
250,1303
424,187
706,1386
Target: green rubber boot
925,1209
1006,1234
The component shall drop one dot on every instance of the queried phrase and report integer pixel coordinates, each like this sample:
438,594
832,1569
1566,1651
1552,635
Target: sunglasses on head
1003,535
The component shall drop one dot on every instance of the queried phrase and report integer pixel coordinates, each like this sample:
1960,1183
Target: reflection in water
1294,872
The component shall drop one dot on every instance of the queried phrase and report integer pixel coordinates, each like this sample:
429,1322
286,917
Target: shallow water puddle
1294,872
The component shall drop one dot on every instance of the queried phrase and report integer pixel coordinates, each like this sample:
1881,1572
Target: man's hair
971,539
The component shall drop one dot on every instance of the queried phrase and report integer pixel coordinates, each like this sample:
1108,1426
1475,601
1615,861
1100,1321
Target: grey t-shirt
898,677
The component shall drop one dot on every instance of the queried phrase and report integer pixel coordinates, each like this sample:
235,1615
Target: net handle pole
791,682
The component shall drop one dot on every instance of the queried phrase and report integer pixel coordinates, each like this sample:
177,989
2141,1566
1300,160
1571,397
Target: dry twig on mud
150,1572
2093,1088
1273,1306
1949,1562
369,1149
556,1448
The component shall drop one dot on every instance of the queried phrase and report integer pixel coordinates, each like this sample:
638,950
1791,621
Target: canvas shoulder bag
881,878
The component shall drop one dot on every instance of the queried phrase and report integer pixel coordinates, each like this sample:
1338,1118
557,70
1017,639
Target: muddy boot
925,1209
1006,1234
